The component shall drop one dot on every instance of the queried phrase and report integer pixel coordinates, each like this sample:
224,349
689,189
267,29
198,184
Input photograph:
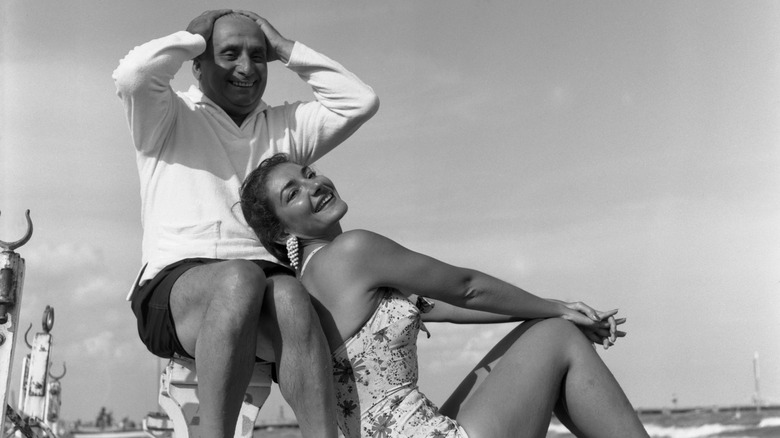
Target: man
208,289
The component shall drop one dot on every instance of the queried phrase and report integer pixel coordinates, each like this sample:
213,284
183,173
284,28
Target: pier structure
11,287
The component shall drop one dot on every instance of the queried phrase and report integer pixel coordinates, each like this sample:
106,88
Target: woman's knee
559,331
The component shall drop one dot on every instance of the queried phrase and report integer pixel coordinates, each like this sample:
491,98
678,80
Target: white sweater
192,158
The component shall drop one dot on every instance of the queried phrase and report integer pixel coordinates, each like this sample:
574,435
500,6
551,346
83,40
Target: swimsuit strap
306,262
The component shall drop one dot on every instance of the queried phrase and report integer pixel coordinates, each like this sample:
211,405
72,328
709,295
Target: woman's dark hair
257,209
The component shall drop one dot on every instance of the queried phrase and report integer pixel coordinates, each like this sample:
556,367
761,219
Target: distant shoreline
712,408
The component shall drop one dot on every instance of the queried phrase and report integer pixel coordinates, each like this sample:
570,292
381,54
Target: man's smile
242,84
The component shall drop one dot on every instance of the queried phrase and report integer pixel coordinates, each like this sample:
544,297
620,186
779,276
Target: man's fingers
249,14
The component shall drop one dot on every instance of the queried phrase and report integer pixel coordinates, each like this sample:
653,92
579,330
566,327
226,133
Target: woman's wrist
560,308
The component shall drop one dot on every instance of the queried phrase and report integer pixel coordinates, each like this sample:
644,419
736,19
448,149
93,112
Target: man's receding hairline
210,42
236,15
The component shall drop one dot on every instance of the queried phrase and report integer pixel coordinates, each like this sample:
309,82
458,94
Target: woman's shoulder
358,243
358,238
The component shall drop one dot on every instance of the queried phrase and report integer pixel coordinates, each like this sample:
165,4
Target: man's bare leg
302,354
225,314
216,309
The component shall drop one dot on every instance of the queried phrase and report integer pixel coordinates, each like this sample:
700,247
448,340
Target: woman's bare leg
543,364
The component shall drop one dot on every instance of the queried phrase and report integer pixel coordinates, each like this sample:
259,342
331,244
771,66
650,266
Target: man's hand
279,47
203,24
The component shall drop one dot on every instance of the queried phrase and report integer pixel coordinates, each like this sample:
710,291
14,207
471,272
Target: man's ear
196,69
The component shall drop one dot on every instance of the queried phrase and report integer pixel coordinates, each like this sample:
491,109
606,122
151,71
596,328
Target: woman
364,287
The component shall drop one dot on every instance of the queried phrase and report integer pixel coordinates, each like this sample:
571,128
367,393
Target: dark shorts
150,304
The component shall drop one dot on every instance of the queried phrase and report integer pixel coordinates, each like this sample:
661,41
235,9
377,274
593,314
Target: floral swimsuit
375,376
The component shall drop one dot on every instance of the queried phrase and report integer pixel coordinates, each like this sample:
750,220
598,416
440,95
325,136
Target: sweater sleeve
343,103
143,79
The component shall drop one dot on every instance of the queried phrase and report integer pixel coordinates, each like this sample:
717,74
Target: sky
620,153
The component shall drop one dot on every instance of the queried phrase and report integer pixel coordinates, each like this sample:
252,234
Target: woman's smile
323,201
306,204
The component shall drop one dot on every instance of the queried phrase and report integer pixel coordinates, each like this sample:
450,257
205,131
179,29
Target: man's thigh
286,306
205,285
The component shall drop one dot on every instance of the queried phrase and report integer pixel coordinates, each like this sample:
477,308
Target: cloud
63,258
94,289
461,345
97,345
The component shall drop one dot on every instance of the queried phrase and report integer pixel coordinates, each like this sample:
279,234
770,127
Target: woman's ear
282,238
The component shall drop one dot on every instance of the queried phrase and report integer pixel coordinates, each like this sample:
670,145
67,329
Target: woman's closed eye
291,194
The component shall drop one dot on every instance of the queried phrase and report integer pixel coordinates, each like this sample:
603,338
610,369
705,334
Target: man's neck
238,120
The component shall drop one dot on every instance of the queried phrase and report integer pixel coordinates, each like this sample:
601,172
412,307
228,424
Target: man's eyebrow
228,46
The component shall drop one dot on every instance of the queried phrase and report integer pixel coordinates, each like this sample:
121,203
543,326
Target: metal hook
10,246
64,371
29,345
48,319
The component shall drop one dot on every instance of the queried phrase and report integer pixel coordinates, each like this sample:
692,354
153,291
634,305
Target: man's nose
243,64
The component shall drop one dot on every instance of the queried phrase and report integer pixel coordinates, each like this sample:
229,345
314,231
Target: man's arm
143,79
343,102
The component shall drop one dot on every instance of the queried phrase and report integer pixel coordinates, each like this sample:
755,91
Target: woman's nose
315,186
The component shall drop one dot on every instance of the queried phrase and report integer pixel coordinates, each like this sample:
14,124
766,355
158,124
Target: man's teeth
242,84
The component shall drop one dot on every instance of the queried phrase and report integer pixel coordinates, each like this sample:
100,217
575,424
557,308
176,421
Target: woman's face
306,204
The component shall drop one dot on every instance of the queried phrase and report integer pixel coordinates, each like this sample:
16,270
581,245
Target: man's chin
243,107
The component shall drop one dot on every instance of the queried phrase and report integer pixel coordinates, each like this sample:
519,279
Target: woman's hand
598,327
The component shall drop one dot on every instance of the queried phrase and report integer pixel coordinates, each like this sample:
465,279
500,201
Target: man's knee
293,312
242,274
241,285
289,294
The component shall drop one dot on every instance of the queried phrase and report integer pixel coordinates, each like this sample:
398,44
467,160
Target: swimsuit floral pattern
375,375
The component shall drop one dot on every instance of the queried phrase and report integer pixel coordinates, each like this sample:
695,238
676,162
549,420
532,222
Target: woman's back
375,374
375,368
343,301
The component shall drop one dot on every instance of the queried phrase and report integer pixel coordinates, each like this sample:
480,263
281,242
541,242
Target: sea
733,422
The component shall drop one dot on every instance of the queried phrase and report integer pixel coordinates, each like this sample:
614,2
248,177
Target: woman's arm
377,261
604,334
445,312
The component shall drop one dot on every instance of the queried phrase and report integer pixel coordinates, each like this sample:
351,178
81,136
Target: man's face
232,71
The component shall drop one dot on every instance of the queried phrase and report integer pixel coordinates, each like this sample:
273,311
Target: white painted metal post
11,286
35,399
